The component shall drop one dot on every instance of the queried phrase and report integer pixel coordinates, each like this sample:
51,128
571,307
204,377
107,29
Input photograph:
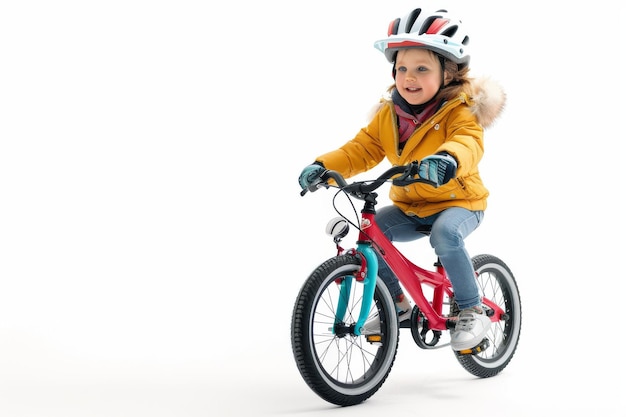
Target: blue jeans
449,228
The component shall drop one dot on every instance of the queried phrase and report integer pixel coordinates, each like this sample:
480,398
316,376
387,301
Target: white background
152,235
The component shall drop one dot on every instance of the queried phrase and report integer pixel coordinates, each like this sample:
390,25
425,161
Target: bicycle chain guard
422,335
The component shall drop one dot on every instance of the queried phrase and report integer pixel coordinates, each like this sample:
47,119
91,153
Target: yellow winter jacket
456,128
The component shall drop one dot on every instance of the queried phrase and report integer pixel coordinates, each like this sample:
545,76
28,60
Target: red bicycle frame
412,276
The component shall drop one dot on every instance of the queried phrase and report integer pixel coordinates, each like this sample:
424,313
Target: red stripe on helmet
437,25
403,44
393,27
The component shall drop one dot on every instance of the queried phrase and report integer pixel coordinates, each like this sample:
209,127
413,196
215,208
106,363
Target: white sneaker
372,325
471,328
404,309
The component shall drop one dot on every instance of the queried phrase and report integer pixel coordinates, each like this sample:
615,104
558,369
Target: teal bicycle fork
367,274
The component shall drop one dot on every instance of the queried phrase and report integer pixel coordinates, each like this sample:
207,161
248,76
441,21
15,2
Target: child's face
418,75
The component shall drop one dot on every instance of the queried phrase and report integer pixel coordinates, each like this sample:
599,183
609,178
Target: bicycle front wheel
339,366
496,283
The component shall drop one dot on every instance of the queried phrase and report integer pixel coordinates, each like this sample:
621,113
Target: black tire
343,370
497,283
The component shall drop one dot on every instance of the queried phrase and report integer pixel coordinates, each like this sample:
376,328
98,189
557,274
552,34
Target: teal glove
438,169
309,174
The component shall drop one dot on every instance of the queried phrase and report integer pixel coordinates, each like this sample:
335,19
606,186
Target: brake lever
409,176
316,184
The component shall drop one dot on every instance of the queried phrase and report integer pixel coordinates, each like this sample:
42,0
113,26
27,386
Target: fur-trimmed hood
487,100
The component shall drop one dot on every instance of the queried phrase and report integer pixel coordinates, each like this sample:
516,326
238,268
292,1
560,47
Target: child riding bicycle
433,113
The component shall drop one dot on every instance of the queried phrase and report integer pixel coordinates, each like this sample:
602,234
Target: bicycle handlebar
359,189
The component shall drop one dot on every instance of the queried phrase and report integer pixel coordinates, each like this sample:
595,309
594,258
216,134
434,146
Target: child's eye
422,69
401,69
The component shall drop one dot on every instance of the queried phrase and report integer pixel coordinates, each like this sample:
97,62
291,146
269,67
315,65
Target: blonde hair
460,82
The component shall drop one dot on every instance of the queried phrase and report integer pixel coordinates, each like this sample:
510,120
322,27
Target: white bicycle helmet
438,31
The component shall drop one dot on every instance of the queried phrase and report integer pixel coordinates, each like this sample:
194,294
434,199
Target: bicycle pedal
476,349
374,338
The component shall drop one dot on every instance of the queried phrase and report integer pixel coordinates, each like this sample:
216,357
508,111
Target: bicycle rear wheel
339,366
497,283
